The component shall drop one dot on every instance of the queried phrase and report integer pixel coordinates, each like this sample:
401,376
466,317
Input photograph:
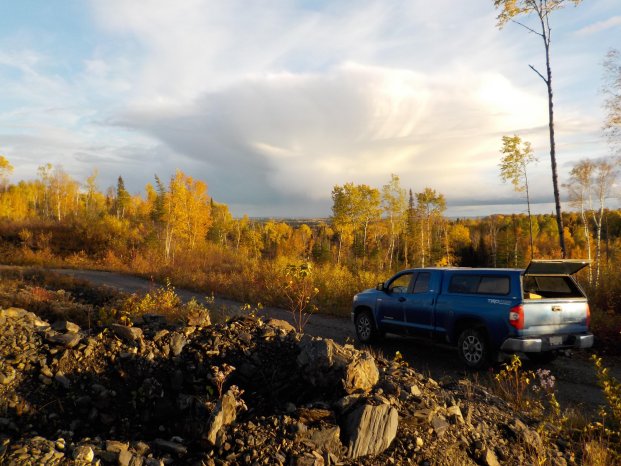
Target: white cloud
599,26
272,103
299,135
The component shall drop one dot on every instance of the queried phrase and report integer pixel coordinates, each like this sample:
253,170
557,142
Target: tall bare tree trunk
545,28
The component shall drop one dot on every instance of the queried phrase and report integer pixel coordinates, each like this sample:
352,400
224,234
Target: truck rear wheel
366,332
473,348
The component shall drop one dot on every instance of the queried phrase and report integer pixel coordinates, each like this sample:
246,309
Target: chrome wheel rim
472,349
364,327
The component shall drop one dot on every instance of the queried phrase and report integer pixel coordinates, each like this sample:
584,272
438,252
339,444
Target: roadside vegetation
534,393
55,296
176,232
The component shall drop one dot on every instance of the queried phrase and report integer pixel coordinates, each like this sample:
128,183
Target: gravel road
577,383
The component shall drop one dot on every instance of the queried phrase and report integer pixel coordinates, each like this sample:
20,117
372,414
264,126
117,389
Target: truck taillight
516,317
588,317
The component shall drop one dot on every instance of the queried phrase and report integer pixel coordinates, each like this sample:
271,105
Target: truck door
419,308
390,305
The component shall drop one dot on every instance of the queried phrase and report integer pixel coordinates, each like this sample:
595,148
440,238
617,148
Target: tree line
375,228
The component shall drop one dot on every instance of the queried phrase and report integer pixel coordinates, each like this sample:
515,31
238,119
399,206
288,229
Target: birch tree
510,10
579,190
517,154
431,205
604,176
394,203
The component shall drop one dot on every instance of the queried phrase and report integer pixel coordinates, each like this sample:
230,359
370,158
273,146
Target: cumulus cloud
335,95
298,135
599,26
273,103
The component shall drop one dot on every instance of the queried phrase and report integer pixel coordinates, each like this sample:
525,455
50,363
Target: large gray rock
68,340
361,373
128,334
198,318
223,414
327,363
65,326
369,430
489,458
281,324
84,453
177,342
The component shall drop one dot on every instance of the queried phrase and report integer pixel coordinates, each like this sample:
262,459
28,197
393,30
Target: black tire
473,348
542,358
366,331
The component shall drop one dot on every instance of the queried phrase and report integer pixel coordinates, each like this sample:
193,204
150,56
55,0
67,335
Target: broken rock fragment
223,414
370,429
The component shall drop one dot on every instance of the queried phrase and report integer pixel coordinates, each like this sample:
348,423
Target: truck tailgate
555,316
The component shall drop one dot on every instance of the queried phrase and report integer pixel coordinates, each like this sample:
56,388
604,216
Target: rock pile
246,392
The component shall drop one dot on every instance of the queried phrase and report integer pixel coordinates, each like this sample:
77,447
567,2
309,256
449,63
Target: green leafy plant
603,439
532,392
513,384
612,392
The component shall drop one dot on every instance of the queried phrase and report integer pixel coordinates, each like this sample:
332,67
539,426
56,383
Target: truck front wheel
365,327
473,348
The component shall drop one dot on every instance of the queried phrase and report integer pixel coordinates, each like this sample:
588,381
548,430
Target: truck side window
422,282
464,283
480,284
400,284
494,285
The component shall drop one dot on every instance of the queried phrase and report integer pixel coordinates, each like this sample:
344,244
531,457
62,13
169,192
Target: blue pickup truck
484,312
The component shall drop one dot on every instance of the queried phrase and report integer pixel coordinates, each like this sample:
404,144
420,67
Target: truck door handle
401,299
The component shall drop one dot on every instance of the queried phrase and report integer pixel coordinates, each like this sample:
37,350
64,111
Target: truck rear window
480,284
540,287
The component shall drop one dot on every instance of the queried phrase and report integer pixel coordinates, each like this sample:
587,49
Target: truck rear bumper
540,344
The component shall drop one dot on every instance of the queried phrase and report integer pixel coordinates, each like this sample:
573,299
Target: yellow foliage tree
5,171
187,213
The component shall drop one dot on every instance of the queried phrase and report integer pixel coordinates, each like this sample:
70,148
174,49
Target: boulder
84,453
65,326
361,373
369,430
127,334
327,363
68,340
281,324
488,458
223,414
198,318
177,342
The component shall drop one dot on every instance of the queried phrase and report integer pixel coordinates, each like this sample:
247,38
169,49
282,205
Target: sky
274,102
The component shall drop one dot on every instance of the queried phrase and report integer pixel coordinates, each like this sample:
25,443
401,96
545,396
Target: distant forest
177,231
